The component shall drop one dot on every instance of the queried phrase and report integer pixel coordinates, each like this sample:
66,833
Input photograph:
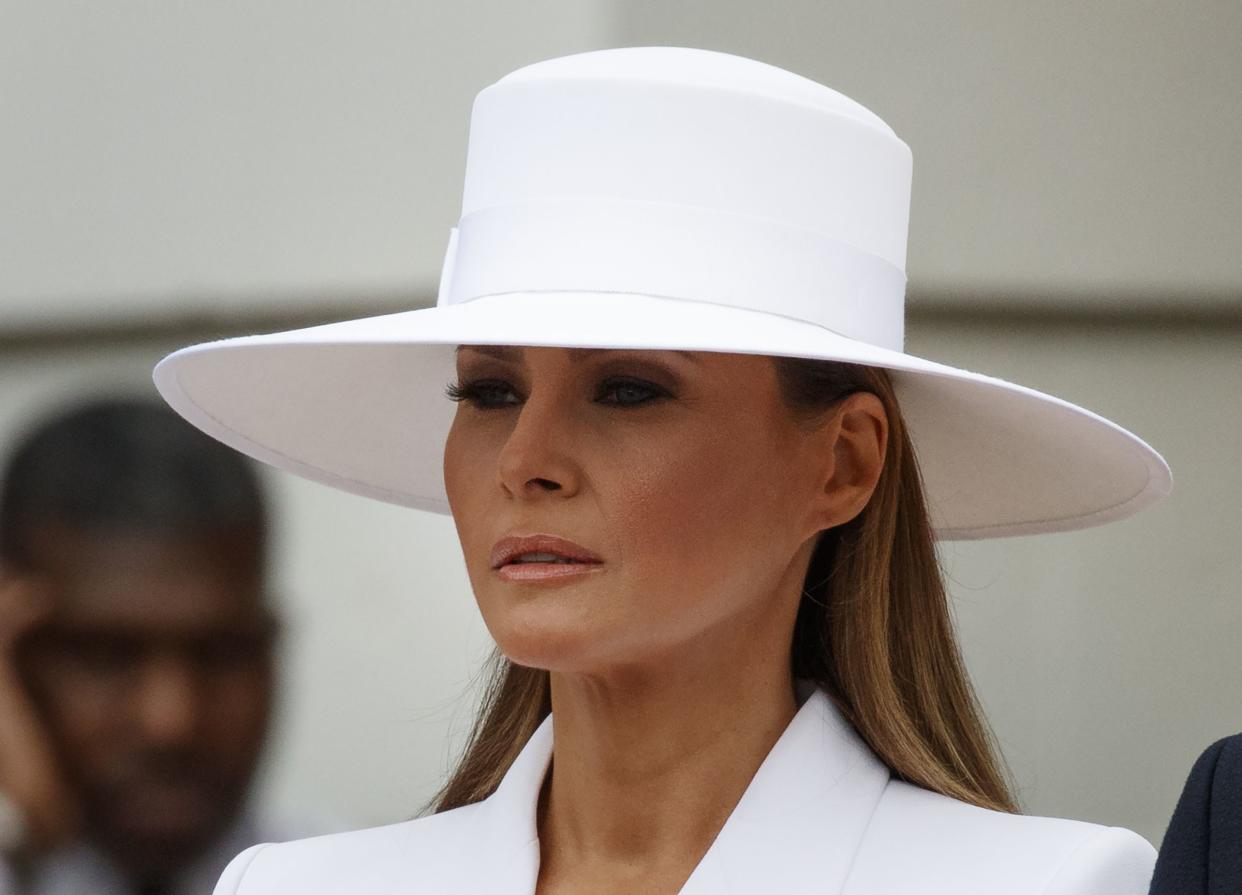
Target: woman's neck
649,764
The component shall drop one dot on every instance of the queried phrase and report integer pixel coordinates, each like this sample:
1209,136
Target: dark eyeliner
474,391
614,382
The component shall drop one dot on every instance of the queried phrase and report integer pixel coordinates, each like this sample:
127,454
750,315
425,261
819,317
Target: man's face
154,676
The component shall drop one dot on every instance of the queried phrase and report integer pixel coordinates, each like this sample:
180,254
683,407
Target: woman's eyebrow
509,352
503,352
584,353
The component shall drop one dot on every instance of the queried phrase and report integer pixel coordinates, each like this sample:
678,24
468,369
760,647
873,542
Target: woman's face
683,472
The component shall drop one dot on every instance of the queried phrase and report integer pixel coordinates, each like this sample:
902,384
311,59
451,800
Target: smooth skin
669,664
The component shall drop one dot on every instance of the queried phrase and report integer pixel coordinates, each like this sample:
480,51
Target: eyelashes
474,392
491,394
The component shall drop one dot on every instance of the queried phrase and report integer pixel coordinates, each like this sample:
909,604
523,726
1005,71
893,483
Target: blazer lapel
795,829
508,862
801,820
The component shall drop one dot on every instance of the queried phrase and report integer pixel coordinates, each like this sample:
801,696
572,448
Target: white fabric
664,197
675,251
821,815
360,406
693,127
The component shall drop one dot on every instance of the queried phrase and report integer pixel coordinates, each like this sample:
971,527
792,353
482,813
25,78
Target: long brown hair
873,630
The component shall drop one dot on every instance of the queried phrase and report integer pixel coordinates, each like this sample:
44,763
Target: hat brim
360,405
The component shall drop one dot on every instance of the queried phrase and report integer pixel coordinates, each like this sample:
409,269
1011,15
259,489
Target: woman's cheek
672,523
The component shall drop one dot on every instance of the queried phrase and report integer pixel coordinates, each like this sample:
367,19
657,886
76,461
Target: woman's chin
556,629
571,631
549,649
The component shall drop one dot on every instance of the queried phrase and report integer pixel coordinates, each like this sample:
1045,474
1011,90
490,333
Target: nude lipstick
542,557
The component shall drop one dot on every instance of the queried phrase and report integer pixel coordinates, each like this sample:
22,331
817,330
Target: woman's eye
630,392
483,393
489,393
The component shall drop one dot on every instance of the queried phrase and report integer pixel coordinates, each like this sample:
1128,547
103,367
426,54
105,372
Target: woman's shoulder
917,835
917,840
391,857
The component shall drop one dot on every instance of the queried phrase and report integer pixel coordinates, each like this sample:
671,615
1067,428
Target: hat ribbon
592,245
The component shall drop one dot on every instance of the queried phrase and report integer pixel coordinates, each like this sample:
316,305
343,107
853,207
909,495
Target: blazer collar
796,828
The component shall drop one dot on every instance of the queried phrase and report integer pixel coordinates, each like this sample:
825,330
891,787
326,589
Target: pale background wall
176,172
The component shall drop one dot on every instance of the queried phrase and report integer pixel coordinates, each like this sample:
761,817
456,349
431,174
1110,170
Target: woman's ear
854,444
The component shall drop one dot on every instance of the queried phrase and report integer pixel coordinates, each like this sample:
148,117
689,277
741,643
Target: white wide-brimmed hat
664,198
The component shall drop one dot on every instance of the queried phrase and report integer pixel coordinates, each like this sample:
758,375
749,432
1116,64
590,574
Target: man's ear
855,443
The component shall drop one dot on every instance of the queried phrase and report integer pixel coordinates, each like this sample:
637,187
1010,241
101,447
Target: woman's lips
510,548
546,571
571,561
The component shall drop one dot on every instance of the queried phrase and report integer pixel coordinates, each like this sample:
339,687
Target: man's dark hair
128,464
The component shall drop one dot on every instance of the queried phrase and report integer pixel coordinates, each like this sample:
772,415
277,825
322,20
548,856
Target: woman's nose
537,455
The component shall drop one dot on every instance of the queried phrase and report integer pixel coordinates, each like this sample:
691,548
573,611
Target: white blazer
821,815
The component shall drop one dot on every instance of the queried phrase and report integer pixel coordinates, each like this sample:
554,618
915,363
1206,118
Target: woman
697,484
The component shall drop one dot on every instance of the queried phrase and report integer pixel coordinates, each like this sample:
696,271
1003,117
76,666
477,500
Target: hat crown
685,173
694,67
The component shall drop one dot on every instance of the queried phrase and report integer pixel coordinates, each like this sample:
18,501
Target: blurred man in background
136,654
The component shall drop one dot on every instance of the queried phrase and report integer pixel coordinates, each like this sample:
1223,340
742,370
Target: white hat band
675,251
